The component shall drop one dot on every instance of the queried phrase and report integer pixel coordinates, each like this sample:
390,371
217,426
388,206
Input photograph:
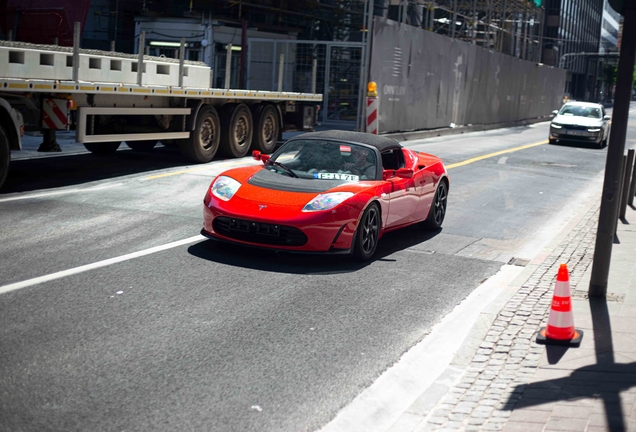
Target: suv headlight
326,201
224,188
594,130
555,125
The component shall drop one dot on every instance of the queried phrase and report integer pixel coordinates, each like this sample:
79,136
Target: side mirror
387,174
607,117
555,112
256,155
404,173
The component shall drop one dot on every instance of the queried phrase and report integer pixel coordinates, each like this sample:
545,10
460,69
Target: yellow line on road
489,155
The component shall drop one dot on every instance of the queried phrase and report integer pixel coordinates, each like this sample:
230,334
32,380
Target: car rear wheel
438,209
366,239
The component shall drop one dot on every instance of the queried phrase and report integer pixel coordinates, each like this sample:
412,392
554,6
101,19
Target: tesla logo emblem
261,206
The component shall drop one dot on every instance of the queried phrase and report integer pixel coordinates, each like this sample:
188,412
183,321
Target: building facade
571,40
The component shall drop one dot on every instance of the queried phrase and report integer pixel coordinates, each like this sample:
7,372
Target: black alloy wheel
438,208
366,239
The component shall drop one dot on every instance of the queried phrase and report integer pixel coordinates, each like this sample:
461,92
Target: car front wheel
366,239
438,208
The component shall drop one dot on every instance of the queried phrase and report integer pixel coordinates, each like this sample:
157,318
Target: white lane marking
502,160
379,406
61,192
98,264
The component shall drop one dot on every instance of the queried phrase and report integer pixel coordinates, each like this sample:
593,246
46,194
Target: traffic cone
560,329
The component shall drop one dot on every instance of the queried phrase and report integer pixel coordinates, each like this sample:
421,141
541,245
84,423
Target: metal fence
288,65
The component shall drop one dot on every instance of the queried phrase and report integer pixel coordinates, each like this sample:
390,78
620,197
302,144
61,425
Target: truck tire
5,156
266,128
204,140
105,148
142,145
236,130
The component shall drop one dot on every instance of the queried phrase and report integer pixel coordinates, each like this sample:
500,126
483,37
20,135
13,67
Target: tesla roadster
327,192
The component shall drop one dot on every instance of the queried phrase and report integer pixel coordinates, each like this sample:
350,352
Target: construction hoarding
428,81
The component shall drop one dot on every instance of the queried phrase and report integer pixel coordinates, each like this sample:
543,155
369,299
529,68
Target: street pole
612,183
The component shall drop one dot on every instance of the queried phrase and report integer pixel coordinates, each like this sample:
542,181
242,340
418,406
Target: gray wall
429,81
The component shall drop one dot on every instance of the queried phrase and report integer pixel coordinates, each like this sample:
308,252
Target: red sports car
332,192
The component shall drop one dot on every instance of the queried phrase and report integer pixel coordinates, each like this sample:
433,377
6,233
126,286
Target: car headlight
326,201
556,126
594,130
224,187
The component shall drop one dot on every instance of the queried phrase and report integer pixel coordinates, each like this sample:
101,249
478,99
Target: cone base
574,342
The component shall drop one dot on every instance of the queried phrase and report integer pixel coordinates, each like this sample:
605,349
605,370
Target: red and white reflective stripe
562,289
372,115
55,114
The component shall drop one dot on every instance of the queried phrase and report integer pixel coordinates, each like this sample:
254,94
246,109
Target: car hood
262,185
576,120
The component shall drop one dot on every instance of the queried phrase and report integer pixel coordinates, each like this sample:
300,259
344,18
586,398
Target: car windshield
581,111
324,160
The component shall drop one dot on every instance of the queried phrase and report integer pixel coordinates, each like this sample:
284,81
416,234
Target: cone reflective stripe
561,322
560,328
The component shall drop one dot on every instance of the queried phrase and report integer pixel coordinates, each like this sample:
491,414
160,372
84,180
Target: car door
403,196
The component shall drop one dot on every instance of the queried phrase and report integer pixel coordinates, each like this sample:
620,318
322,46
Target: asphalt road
196,336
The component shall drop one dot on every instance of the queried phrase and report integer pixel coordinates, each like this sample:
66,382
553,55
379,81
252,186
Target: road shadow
604,380
55,171
579,144
297,263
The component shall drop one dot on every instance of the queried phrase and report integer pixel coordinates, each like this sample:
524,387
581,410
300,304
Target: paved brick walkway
487,395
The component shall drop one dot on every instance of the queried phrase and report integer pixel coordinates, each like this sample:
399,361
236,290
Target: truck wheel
236,130
266,128
142,145
105,148
5,156
204,139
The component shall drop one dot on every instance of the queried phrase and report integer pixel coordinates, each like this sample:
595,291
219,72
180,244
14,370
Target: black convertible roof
379,142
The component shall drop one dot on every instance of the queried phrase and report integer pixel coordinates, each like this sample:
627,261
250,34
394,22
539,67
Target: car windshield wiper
283,167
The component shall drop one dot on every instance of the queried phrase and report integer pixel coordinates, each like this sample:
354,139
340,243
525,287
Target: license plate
574,132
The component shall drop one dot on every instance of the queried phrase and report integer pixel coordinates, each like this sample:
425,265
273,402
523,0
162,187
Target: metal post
56,41
242,57
112,45
181,61
10,35
502,32
314,75
525,32
474,38
140,58
361,83
365,69
281,71
540,50
488,24
629,163
632,188
325,94
228,66
616,148
454,19
76,47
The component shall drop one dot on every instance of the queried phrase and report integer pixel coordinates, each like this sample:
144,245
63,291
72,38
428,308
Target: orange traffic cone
560,329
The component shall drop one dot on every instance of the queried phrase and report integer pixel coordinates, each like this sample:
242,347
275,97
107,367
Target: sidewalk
510,383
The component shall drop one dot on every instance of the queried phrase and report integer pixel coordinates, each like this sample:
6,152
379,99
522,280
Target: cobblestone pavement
508,357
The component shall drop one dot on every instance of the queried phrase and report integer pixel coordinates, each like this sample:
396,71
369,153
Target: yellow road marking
489,155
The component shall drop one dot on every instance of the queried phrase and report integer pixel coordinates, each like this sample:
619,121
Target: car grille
258,232
575,127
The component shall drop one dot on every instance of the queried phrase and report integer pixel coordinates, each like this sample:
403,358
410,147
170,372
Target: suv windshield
581,111
325,160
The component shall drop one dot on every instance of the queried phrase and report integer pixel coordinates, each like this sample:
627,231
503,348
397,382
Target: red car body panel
402,201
